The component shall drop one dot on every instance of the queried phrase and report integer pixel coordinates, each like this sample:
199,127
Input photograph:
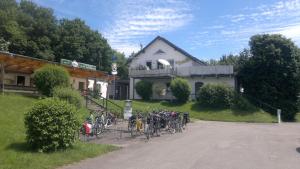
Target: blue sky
207,29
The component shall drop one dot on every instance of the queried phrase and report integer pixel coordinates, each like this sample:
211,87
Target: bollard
279,115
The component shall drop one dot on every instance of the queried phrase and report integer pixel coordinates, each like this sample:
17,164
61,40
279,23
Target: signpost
114,72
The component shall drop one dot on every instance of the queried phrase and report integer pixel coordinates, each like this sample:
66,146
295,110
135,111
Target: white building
16,74
146,65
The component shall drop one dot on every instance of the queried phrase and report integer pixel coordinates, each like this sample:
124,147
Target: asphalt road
209,145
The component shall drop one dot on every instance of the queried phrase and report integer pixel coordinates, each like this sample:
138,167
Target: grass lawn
297,117
14,153
198,112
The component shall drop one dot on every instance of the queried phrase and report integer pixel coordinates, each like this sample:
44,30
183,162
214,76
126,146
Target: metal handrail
90,97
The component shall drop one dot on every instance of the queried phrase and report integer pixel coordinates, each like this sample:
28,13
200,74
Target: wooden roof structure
16,63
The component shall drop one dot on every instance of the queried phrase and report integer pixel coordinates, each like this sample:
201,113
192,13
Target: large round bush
144,89
51,124
180,89
215,95
68,94
50,76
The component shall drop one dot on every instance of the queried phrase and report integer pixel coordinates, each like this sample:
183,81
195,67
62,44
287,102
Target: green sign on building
78,64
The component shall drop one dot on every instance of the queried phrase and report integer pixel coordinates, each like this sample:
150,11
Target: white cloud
281,17
134,21
292,31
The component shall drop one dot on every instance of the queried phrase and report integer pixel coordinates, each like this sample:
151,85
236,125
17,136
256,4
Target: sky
207,29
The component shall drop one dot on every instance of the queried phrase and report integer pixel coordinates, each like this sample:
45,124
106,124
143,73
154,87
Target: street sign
114,69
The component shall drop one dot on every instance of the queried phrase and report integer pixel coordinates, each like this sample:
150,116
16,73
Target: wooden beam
2,76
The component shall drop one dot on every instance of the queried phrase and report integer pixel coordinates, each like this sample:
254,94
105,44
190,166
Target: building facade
147,65
17,75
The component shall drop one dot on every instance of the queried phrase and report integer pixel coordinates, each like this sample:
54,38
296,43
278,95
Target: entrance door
20,80
81,86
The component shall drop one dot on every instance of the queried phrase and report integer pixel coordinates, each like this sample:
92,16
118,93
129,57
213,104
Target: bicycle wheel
147,131
172,128
98,129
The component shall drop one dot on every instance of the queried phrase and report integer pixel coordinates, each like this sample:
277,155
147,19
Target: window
159,65
81,86
20,80
149,64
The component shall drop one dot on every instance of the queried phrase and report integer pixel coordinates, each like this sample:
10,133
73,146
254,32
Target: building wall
11,78
182,62
149,54
75,82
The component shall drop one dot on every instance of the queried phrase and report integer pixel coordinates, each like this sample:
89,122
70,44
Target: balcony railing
205,70
184,71
151,73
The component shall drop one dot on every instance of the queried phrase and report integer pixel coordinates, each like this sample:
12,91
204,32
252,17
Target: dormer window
159,51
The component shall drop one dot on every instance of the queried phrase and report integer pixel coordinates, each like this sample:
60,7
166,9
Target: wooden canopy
15,63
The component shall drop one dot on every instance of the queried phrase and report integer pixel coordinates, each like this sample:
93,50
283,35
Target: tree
3,45
48,77
272,74
34,31
238,61
144,89
122,65
181,89
78,42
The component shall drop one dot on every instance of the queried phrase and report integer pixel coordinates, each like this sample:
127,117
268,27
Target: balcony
184,71
152,73
205,70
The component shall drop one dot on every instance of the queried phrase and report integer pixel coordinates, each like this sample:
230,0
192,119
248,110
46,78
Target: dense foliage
51,125
272,74
31,30
68,94
240,103
237,61
48,77
215,96
180,89
144,89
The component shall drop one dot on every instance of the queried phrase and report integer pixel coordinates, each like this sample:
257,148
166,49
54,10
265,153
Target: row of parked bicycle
153,123
150,124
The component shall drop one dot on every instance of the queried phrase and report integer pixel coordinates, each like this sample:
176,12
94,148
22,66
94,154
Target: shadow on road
298,149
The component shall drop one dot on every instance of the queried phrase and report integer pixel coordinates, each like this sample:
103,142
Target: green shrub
239,102
180,89
68,94
51,124
215,96
144,89
50,76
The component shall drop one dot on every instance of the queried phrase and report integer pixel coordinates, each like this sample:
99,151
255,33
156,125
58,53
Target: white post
279,115
114,87
2,76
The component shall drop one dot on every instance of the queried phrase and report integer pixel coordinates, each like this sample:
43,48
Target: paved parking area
208,145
